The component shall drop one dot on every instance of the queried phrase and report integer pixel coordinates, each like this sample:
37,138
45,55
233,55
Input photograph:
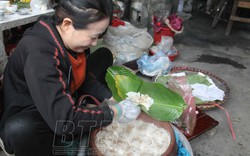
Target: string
228,119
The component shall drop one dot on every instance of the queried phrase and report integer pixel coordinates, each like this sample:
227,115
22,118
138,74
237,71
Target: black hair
81,12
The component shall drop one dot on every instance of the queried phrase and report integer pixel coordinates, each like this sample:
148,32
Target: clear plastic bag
165,45
156,65
126,53
180,85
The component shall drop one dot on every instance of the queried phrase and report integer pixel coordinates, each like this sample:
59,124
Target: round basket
171,151
219,82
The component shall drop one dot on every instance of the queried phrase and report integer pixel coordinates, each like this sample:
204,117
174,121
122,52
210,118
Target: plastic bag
165,45
180,85
158,64
126,53
127,42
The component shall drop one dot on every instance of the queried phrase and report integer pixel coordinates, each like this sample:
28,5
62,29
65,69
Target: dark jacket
36,78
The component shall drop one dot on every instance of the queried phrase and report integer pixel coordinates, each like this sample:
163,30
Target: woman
48,71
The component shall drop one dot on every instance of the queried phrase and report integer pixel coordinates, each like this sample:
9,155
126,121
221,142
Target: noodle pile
133,139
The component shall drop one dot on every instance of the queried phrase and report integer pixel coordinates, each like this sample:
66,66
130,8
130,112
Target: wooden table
15,20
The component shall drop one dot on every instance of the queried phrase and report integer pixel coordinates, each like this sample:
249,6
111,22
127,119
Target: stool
233,17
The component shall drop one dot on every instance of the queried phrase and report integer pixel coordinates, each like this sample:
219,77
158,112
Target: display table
15,20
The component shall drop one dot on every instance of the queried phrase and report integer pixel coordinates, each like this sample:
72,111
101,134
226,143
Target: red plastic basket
165,31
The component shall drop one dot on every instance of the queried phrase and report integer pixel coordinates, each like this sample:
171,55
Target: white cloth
207,93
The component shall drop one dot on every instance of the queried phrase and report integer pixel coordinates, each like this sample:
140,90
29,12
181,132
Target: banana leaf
167,106
192,79
122,78
196,78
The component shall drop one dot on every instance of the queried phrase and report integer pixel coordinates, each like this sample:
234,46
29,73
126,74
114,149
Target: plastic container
165,31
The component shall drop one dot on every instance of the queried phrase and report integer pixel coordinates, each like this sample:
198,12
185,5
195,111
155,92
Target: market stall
15,17
154,58
170,97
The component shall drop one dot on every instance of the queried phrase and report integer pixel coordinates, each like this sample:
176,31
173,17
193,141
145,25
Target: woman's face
81,39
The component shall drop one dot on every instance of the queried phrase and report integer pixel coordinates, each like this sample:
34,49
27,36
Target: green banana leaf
192,79
120,77
196,78
167,106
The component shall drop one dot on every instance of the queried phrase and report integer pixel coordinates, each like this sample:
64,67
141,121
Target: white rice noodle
140,99
133,139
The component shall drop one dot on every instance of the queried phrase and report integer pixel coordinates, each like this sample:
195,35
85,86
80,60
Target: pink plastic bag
180,85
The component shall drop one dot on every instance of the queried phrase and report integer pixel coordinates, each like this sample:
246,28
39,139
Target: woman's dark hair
81,12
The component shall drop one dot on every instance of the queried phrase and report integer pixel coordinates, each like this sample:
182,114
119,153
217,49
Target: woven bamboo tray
219,82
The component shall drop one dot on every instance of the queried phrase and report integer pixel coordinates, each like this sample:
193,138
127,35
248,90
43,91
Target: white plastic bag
164,46
127,42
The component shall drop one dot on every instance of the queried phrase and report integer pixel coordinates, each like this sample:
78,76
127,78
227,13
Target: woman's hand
125,111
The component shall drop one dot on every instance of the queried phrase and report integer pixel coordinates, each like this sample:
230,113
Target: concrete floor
200,39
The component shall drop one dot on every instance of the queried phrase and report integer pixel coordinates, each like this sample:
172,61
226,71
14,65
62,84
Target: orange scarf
78,70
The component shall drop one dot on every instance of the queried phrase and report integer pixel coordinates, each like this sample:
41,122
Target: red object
117,22
164,31
175,23
158,24
9,48
204,123
151,53
173,56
